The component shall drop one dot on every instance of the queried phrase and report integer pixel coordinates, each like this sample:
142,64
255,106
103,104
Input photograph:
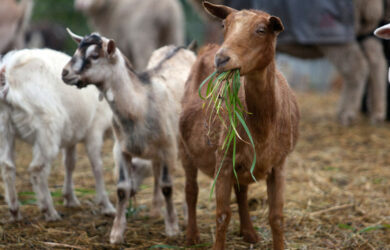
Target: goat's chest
139,139
266,159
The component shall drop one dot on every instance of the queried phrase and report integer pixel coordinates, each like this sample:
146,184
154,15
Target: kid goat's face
89,63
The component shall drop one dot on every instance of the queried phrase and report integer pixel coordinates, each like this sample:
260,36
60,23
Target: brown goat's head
249,38
89,63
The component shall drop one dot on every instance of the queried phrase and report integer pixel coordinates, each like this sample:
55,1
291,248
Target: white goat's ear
111,47
75,37
383,32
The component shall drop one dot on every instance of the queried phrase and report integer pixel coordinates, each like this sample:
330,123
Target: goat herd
155,116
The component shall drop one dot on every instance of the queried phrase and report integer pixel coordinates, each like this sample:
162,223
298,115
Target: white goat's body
49,115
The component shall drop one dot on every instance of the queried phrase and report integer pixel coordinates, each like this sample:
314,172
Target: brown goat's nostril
65,72
221,60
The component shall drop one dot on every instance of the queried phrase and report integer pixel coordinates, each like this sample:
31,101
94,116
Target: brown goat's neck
125,93
260,97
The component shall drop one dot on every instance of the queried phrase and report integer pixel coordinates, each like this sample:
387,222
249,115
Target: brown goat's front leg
223,188
192,191
246,227
275,190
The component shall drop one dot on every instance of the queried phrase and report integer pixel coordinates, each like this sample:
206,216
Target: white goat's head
92,62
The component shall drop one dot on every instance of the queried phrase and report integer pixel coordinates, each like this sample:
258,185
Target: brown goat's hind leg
275,190
246,228
191,190
223,188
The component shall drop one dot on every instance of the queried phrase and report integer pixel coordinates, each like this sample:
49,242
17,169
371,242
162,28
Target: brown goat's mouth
224,69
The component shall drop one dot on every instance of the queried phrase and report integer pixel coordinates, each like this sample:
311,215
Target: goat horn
75,37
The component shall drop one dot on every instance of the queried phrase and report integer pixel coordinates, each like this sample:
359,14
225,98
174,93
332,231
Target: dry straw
222,97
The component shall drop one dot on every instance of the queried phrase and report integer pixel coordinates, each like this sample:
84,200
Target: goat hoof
346,119
13,219
109,211
192,240
172,230
155,213
375,121
116,237
250,236
74,202
52,217
15,215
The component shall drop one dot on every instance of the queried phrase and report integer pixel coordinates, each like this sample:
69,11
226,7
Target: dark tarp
308,21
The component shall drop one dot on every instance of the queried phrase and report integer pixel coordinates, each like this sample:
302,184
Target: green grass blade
209,78
241,119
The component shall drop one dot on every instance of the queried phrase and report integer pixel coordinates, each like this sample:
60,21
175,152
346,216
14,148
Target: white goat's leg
123,194
155,211
377,80
352,65
94,146
170,218
69,158
8,171
39,171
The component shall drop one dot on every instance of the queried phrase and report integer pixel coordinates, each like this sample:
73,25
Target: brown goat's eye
223,24
261,30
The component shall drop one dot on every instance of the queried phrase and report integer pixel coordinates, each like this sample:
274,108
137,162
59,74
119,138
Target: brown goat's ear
276,24
219,11
111,47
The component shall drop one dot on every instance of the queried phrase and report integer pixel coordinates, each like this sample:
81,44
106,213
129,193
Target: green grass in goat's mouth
222,97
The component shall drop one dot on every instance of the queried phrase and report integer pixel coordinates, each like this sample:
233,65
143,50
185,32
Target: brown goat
249,45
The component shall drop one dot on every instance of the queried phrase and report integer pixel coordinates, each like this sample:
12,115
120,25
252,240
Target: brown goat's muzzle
223,61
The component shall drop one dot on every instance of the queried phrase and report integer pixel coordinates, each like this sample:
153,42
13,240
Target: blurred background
49,18
338,178
62,12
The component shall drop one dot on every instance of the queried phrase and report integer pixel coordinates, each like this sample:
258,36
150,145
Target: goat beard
81,84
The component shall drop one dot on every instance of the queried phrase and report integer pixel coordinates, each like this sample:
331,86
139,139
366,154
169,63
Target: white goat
38,108
145,115
139,27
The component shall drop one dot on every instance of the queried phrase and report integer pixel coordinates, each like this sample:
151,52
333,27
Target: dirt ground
337,196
